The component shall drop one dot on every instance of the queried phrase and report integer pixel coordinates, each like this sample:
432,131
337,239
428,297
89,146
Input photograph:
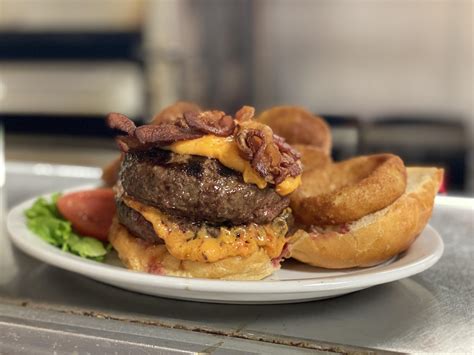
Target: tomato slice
90,212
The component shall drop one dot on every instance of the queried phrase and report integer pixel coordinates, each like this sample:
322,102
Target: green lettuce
44,219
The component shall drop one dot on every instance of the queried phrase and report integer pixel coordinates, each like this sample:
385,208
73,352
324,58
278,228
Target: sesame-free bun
375,237
139,255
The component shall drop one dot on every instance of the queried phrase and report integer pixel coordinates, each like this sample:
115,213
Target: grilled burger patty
143,229
136,223
197,188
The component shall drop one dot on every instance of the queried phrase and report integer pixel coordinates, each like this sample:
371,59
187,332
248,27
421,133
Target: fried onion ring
298,126
312,157
346,191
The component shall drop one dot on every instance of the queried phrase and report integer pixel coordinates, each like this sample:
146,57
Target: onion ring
346,191
312,157
298,126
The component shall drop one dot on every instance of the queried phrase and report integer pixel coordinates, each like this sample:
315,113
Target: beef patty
140,227
136,223
143,229
197,188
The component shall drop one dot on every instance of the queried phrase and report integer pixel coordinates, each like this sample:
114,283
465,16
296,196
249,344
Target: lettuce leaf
43,219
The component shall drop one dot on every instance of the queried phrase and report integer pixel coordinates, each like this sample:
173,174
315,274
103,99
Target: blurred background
388,75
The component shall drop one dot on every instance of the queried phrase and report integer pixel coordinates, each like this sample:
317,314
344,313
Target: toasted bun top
298,126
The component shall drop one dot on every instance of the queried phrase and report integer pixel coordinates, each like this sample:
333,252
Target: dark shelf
70,46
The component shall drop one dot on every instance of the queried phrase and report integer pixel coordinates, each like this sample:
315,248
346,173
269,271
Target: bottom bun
376,237
139,255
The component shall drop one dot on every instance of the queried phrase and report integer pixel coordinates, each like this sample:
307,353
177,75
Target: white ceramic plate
295,282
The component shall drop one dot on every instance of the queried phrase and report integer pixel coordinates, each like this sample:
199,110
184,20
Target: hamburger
203,194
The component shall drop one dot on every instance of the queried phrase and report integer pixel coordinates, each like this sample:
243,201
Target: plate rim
35,247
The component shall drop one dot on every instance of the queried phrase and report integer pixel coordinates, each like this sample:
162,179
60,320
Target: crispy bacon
121,122
268,153
127,143
210,122
246,113
285,147
171,113
165,134
249,142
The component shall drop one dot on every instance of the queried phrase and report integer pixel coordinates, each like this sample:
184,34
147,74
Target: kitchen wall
368,58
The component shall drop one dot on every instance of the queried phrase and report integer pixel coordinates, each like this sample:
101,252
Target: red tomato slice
90,212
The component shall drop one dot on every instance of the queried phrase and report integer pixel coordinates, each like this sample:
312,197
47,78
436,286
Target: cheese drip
231,241
227,152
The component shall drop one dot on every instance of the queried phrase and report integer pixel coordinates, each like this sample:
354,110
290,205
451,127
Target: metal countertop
430,312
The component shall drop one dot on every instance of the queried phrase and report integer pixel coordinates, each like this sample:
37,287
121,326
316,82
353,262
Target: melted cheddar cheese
288,185
231,241
227,152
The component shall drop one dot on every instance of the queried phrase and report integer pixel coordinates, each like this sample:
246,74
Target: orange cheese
225,150
288,185
200,246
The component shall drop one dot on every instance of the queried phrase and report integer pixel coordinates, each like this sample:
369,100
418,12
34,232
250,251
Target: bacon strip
211,122
165,134
121,122
268,153
246,113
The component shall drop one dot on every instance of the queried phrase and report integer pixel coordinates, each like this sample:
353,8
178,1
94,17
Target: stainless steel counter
43,307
